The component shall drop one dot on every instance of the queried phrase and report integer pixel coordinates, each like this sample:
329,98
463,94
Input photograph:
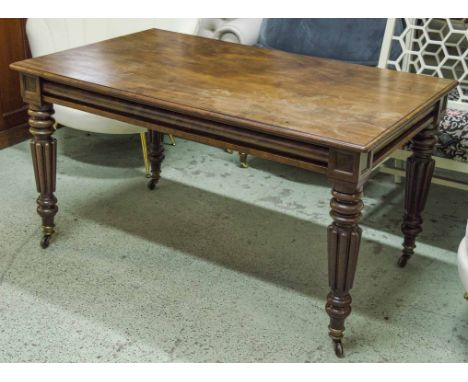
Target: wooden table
337,119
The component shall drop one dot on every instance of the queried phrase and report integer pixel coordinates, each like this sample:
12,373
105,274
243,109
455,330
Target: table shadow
445,205
275,247
269,245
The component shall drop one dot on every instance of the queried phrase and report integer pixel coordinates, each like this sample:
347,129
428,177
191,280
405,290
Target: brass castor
152,184
402,261
45,241
338,345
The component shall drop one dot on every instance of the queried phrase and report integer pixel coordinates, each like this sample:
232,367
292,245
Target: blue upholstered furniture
352,40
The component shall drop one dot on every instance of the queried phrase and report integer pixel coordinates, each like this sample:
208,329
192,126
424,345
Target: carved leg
155,155
419,170
243,160
44,156
344,236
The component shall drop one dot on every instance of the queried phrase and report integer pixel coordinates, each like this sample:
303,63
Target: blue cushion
353,40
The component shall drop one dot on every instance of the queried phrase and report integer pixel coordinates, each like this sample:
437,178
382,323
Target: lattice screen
436,47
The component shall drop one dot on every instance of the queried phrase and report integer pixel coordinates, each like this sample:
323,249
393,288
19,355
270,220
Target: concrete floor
218,264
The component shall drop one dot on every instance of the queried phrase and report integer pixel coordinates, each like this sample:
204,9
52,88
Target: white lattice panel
435,47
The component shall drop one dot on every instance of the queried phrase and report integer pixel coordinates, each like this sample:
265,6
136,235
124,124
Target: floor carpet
218,264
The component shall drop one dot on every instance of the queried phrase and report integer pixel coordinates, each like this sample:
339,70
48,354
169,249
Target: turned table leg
419,170
243,160
44,156
155,156
344,236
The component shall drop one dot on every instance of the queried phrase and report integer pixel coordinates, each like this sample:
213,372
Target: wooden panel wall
13,115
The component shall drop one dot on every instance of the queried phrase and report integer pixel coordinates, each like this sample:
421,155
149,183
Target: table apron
414,126
301,154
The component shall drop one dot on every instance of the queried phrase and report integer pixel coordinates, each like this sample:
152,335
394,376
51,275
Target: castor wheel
45,241
402,261
152,184
338,346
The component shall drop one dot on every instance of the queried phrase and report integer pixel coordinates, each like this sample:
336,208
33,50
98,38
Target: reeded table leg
44,156
419,170
156,156
243,160
344,236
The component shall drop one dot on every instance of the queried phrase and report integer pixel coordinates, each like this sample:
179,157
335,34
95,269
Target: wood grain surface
314,100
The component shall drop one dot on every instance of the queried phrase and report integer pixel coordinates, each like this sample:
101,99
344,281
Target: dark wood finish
419,170
243,160
273,92
13,111
344,236
155,156
305,155
44,157
325,116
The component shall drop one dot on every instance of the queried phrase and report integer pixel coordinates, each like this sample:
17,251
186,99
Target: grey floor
218,264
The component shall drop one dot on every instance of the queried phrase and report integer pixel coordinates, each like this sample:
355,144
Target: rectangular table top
325,102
